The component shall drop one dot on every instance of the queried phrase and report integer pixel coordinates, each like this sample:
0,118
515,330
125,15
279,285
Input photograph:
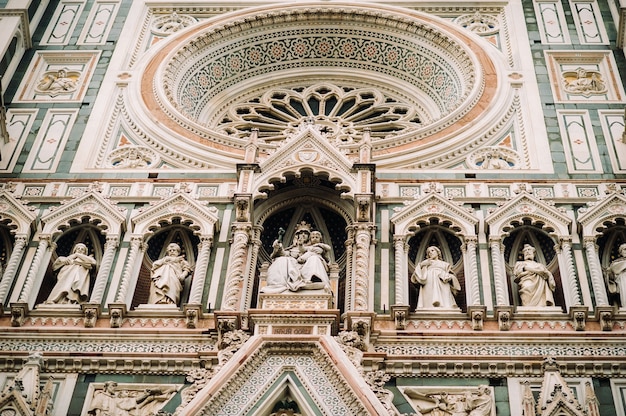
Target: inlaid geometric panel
99,23
19,122
589,23
551,22
614,129
62,24
50,142
579,143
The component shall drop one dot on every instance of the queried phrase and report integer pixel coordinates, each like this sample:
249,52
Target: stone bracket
477,315
578,315
504,316
19,311
91,313
193,312
399,314
117,311
605,315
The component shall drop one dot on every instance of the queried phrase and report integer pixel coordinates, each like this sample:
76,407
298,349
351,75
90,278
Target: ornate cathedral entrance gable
203,220
306,150
19,217
110,217
594,217
265,367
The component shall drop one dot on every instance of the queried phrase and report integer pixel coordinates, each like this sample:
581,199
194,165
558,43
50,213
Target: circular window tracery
343,113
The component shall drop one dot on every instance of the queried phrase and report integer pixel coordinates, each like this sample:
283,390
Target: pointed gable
433,205
109,217
265,367
605,210
19,217
526,206
306,150
555,397
202,220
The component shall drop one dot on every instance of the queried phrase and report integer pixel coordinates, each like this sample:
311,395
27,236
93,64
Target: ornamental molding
526,206
204,220
93,205
407,219
597,215
20,217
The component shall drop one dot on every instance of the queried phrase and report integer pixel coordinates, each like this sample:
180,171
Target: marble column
199,274
363,239
595,269
14,260
471,265
402,280
499,274
44,244
236,267
567,261
102,278
135,255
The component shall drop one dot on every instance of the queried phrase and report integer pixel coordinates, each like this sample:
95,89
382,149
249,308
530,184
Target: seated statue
536,283
302,265
72,285
168,275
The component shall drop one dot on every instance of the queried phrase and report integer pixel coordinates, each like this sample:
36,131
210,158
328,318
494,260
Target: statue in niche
615,276
168,275
57,83
494,160
302,265
468,403
437,283
536,283
72,285
111,401
286,407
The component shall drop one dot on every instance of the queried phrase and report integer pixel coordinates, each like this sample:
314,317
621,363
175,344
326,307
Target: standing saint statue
73,278
168,275
437,283
536,283
615,275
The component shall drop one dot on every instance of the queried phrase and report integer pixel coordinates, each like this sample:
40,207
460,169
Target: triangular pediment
201,219
314,369
607,209
433,205
18,214
109,216
13,400
525,205
307,150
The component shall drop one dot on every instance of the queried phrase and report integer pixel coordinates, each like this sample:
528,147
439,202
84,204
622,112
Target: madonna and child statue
302,265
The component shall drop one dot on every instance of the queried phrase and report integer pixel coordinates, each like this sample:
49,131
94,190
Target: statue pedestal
306,312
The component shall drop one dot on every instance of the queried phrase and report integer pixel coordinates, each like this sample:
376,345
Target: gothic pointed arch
16,220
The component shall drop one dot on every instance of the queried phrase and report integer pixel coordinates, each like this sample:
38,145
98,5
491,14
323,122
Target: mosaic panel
579,142
614,130
33,190
584,76
551,22
162,191
588,21
454,191
50,142
499,192
587,191
63,22
409,191
543,192
119,191
99,23
207,191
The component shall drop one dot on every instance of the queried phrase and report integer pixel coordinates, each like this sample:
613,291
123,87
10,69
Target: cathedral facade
313,208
